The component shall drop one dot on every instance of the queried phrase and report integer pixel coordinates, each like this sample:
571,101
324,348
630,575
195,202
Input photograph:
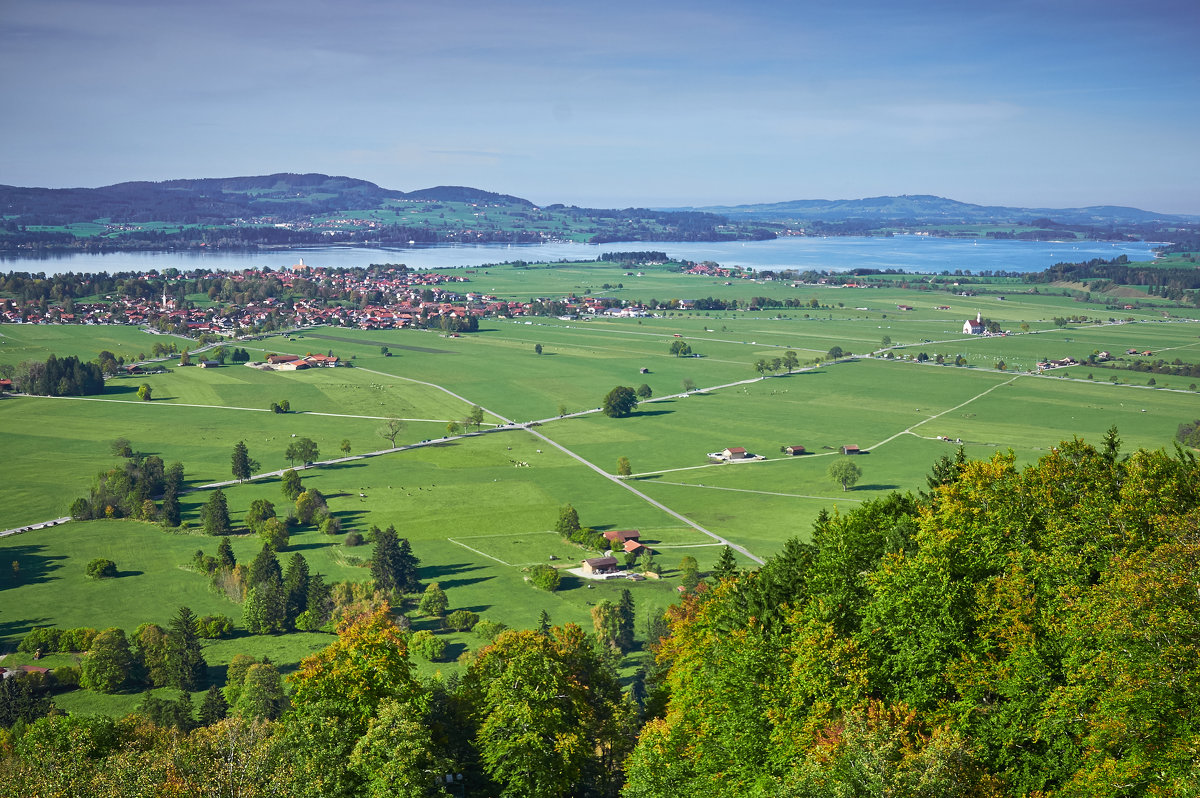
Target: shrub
212,627
41,637
462,620
101,568
332,525
79,639
65,677
545,577
489,629
428,645
354,539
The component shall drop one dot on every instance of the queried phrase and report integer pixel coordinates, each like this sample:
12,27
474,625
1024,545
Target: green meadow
480,508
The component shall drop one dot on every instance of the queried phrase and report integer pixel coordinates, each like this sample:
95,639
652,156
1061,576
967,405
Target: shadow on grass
454,650
128,573
640,413
434,573
12,631
875,487
448,584
31,566
111,389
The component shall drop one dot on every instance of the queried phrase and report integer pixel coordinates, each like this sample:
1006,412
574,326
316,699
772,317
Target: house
794,450
850,448
974,326
622,535
5,385
600,565
904,307
276,360
734,453
132,369
633,547
209,364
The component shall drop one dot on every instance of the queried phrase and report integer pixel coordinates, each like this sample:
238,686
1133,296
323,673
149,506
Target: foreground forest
1006,632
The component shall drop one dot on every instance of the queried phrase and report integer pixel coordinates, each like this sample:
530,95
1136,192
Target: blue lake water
908,253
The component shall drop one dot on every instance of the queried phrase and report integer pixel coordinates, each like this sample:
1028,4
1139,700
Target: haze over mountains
290,195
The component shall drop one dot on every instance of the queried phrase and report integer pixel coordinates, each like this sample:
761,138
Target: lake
910,253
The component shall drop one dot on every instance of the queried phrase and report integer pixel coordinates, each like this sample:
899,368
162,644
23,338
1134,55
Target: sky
659,103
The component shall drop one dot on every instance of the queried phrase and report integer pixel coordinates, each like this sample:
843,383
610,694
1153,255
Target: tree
726,567
345,447
225,556
433,601
215,515
149,649
790,361
625,621
407,574
295,588
390,430
214,707
308,505
260,511
537,348
690,573
241,462
121,447
105,667
265,609
624,469
546,577
886,342
689,385
385,565
619,402
606,621
274,533
475,418
568,520
144,391
552,715
291,484
760,366
835,352
846,472
302,449
261,695
680,349
395,758
185,664
101,568
644,392
452,428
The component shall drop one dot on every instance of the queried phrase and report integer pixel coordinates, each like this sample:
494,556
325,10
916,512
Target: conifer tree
225,554
385,565
216,515
407,577
241,462
726,567
185,664
295,586
214,707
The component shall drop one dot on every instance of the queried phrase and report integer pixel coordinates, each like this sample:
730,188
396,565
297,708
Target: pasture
480,508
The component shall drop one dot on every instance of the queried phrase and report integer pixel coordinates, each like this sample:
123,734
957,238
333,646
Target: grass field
479,509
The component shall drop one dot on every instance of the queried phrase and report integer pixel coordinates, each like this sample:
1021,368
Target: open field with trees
471,446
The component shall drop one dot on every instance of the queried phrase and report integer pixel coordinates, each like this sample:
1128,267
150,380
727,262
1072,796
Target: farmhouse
600,565
734,453
622,535
633,547
974,326
794,450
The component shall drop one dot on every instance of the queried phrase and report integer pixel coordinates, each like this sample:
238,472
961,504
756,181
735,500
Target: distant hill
926,209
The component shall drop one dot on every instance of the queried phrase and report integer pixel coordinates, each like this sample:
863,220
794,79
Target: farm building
734,453
209,364
600,565
794,450
850,448
622,535
634,547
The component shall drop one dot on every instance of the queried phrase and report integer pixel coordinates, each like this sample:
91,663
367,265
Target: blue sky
1049,104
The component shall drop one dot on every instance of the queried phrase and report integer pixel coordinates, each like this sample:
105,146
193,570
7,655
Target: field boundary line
763,492
480,553
506,535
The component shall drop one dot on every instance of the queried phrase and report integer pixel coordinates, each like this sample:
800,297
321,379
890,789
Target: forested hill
929,209
218,200
311,209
